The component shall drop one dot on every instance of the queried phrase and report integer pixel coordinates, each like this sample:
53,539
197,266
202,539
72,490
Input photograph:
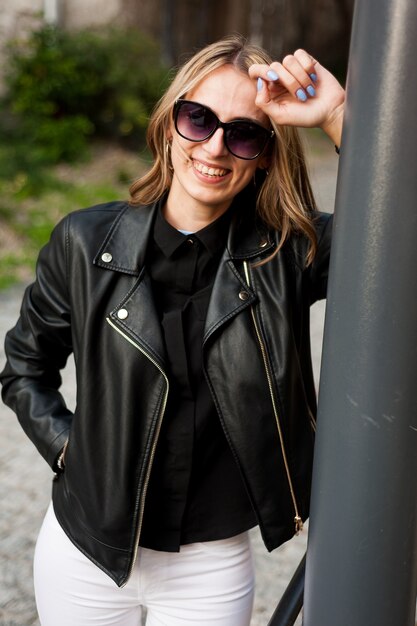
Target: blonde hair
285,200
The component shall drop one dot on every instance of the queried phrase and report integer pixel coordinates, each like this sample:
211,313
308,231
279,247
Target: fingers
301,66
307,62
296,74
298,92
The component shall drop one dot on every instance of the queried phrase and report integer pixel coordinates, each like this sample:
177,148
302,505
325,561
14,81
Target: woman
187,313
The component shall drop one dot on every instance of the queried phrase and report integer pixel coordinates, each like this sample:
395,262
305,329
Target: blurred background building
181,26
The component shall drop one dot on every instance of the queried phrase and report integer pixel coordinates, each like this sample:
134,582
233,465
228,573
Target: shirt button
190,240
106,257
122,314
243,295
263,243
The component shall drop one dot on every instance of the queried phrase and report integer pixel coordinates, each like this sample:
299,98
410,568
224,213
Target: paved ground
25,479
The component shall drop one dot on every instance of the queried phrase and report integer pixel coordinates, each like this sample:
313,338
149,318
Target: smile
209,171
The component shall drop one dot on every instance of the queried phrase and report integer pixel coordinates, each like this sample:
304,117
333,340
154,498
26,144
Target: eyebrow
251,120
246,119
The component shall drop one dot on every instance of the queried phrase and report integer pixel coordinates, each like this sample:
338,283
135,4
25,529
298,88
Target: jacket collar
124,247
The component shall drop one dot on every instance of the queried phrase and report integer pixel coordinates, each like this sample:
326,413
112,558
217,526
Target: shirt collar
213,236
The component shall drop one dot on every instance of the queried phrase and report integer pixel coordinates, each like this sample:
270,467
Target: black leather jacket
93,297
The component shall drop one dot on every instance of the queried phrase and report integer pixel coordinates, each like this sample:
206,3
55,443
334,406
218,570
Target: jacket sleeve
37,349
319,269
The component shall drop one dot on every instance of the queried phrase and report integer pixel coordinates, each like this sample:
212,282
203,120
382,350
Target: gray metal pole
291,603
362,559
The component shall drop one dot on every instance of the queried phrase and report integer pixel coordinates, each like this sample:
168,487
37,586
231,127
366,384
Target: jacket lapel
124,247
231,294
123,250
136,316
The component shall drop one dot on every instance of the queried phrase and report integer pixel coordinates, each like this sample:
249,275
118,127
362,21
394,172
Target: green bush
63,87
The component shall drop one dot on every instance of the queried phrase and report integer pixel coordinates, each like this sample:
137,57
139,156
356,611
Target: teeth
208,171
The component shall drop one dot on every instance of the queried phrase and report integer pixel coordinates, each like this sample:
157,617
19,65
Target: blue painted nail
313,77
259,84
272,75
311,91
301,95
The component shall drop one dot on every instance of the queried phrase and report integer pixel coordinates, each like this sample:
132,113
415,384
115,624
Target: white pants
205,584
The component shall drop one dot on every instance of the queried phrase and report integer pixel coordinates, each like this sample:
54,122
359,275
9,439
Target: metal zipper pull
298,524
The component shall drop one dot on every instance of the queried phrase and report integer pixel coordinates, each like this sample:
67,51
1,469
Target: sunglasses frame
224,125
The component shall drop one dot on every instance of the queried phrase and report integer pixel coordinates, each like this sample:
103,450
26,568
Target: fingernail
313,77
311,91
259,84
301,95
272,75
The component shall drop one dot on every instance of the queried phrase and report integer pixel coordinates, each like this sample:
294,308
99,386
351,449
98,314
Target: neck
191,218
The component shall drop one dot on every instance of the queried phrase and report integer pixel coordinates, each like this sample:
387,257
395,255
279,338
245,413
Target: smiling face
206,175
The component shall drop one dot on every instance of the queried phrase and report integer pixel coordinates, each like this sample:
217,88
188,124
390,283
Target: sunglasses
196,122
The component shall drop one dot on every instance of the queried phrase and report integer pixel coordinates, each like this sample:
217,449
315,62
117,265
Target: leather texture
93,297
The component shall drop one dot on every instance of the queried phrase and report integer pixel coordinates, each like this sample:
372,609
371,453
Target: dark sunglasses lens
246,140
194,121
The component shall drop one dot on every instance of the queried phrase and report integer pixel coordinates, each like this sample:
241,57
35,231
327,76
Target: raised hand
300,92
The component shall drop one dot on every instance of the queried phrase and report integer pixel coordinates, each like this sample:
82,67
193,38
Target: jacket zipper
140,500
297,518
312,420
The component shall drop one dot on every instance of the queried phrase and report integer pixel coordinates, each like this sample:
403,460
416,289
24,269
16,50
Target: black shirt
195,491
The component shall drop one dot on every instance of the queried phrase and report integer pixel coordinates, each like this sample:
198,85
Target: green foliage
9,269
63,91
64,87
31,219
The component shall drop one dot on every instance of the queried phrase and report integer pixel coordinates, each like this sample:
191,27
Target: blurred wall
82,13
17,17
182,26
281,26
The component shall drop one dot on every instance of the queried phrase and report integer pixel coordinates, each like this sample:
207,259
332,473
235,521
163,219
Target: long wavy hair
285,200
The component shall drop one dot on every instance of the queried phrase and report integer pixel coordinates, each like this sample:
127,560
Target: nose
215,145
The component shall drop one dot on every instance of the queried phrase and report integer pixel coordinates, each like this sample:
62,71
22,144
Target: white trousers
205,584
